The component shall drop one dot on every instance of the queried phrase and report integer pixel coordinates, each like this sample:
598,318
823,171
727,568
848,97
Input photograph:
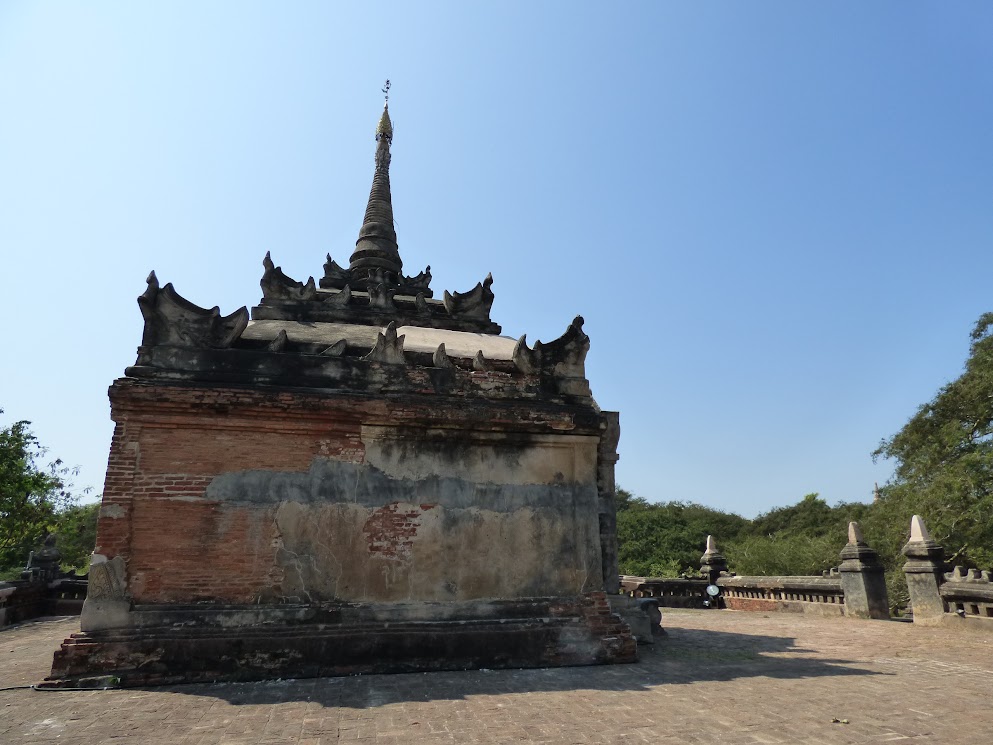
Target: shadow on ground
684,656
681,657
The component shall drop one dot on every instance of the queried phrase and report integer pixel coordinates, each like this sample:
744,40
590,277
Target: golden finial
385,126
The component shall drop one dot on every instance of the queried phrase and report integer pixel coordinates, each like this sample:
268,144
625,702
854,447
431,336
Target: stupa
356,477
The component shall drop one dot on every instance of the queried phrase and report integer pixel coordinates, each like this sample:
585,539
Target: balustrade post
713,563
924,571
863,580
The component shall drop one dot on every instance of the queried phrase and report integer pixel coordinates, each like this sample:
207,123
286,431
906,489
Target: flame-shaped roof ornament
385,126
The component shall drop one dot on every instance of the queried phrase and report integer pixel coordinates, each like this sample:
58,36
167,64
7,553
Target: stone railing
43,589
940,597
679,592
790,594
817,595
968,592
22,600
65,597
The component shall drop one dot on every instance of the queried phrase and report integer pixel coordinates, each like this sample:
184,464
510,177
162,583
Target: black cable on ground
62,688
68,688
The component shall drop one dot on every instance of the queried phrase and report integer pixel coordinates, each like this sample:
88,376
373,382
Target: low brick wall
814,595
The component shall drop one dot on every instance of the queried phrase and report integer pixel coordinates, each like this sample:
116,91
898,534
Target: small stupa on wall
358,476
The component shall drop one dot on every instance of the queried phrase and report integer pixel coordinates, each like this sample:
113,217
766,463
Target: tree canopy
944,462
666,539
32,497
804,538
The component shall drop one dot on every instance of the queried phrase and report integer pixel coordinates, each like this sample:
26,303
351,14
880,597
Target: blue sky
775,217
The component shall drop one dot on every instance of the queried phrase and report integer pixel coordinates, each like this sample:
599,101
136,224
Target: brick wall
171,441
166,449
196,551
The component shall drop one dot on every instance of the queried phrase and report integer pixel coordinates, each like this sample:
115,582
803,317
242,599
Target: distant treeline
667,538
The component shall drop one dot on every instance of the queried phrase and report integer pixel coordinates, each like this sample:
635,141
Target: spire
376,249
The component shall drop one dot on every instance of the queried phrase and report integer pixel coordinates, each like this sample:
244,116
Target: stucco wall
223,509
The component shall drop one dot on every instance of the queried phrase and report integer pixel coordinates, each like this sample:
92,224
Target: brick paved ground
719,677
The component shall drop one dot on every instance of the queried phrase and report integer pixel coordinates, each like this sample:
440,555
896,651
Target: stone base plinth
347,640
640,614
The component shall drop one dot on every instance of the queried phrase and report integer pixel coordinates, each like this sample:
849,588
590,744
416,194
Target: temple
356,477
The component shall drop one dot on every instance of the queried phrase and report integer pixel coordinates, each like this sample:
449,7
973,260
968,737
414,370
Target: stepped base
346,640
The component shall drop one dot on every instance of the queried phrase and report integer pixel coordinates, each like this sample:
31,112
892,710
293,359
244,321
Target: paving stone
718,677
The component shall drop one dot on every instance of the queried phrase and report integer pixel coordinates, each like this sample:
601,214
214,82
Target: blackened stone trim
551,632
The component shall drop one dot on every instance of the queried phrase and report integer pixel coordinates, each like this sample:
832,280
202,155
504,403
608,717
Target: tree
783,554
944,465
811,517
665,539
30,497
804,538
76,534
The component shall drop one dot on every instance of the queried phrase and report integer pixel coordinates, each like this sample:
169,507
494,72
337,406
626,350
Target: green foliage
784,554
76,535
663,540
944,458
811,516
10,573
804,538
31,497
944,469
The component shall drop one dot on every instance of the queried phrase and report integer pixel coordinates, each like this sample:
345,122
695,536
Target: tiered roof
367,327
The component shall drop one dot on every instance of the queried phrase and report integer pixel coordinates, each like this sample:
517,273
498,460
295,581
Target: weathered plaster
458,343
112,511
351,532
484,458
